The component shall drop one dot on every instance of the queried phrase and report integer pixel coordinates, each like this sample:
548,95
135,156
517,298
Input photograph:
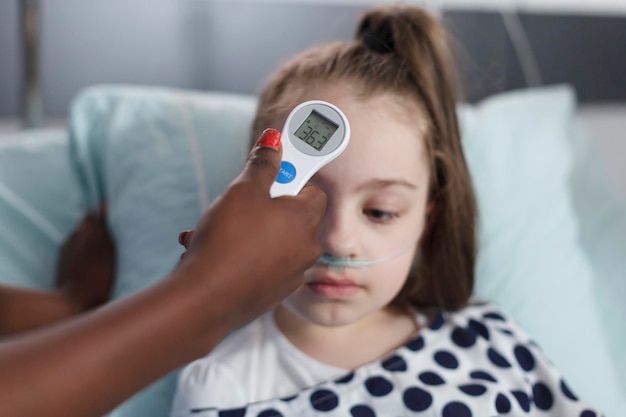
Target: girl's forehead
385,142
371,156
387,135
349,94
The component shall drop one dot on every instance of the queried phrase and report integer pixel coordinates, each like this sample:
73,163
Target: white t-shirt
255,363
473,362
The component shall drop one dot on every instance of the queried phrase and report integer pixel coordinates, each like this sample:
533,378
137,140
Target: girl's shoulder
474,361
477,318
479,331
479,353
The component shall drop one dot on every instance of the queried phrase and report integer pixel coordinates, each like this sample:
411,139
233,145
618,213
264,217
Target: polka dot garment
475,362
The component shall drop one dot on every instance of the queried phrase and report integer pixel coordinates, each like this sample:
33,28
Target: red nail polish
182,236
270,139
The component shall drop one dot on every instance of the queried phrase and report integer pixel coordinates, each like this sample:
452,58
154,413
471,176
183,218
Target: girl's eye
380,216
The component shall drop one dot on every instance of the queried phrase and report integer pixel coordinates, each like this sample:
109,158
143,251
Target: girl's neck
352,345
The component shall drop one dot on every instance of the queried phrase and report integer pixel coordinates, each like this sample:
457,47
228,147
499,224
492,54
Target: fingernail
269,139
182,236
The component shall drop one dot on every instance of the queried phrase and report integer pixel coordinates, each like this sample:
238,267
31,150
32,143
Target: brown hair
404,51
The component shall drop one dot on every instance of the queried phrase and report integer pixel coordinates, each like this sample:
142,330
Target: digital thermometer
315,133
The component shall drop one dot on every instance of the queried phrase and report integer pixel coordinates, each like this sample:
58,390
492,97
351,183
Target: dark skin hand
85,274
248,252
89,252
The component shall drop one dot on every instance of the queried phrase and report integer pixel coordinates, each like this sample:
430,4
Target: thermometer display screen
316,130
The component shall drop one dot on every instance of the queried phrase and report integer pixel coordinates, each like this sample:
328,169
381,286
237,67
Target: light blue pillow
518,147
40,203
160,156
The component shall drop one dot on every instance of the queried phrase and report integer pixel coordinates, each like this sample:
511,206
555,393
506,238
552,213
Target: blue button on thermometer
315,133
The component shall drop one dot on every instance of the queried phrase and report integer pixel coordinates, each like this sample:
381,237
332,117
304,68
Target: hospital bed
552,240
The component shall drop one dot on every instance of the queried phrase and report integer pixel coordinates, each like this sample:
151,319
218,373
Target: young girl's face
377,198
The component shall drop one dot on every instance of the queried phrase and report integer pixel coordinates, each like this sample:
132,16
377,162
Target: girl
384,325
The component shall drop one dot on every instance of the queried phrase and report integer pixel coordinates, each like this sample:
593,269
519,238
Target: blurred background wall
233,45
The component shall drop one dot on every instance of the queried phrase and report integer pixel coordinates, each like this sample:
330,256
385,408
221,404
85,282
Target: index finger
313,197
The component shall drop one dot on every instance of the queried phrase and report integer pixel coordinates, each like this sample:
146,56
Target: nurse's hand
248,252
85,273
264,244
86,266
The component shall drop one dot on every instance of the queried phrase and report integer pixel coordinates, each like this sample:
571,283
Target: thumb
264,160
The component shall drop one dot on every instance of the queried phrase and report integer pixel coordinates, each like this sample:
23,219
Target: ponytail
422,47
443,276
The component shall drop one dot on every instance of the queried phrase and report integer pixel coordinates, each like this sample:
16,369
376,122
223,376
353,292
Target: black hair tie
381,41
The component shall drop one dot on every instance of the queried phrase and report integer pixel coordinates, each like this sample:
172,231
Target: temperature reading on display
316,130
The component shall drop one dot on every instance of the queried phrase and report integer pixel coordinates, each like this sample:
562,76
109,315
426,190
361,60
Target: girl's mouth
334,287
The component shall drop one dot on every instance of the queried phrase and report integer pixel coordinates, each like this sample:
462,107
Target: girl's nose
338,233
